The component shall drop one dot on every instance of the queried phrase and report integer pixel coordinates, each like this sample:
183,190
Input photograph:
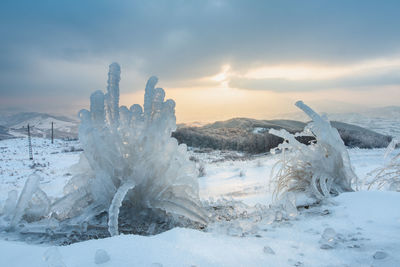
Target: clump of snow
53,258
268,250
101,256
380,255
320,169
258,130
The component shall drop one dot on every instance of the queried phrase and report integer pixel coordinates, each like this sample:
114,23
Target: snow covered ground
354,229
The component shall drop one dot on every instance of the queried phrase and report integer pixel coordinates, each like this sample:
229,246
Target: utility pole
52,132
30,144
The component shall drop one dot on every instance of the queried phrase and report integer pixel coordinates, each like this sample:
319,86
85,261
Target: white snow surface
364,222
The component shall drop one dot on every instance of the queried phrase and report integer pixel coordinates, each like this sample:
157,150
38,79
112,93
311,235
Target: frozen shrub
389,174
131,157
129,160
320,169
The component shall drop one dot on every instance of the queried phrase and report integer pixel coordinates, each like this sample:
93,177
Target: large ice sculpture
130,160
132,157
320,169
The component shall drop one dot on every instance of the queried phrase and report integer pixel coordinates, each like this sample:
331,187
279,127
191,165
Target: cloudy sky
217,59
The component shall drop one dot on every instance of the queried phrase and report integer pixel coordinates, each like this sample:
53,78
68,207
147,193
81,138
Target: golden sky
213,98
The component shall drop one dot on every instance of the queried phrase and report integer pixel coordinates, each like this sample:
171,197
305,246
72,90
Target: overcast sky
219,58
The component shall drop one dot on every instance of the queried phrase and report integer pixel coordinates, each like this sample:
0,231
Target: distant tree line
230,139
245,140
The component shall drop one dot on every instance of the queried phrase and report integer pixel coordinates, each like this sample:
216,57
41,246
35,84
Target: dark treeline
239,135
230,139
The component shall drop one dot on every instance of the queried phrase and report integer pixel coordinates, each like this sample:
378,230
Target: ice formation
32,203
389,174
320,169
130,160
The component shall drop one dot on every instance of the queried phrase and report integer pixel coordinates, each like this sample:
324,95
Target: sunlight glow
223,76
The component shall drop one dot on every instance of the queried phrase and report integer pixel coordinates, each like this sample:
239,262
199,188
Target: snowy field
354,229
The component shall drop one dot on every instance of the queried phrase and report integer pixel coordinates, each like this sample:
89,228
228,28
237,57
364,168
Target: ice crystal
320,169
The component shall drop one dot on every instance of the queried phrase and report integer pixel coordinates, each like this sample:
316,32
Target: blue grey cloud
181,40
353,81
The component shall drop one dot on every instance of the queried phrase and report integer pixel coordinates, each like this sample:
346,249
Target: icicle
97,108
11,203
29,189
149,96
116,203
112,96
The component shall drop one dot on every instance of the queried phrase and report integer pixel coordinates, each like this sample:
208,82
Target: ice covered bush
130,163
320,169
388,175
131,156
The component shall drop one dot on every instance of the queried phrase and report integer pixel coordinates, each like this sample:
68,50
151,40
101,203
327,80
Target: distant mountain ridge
40,124
13,119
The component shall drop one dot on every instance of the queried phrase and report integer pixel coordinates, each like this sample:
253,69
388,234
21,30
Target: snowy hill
4,133
40,124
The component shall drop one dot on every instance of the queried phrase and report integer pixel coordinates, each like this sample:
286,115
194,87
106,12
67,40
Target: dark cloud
181,40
